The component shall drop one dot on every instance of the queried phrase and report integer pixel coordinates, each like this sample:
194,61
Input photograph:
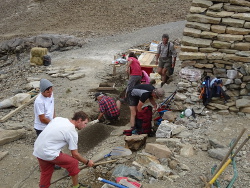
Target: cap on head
98,94
160,93
165,36
45,84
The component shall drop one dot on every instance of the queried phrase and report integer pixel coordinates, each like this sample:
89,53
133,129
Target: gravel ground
94,57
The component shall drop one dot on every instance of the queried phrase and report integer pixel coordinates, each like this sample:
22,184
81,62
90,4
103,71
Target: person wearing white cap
44,106
139,95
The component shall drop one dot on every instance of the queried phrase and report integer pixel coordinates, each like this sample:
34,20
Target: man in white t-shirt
48,145
44,106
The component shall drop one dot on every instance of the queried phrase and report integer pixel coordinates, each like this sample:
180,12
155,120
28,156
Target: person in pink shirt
145,78
134,71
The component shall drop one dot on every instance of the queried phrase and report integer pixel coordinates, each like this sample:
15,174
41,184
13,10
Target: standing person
134,71
44,106
138,96
44,109
48,145
165,58
109,108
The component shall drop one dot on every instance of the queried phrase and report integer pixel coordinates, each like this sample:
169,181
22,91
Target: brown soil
85,18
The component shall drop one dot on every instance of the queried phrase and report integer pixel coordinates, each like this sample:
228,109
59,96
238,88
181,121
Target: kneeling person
109,108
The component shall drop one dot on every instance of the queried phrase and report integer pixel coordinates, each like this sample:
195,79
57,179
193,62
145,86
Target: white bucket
188,112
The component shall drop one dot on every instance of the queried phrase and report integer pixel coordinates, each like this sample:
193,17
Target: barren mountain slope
85,18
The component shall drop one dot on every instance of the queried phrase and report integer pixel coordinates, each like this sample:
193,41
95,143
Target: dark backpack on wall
46,60
143,120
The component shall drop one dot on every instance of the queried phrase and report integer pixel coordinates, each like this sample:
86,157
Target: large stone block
202,19
245,110
222,62
7,136
247,25
220,44
244,46
158,150
215,55
218,28
222,1
198,10
208,35
207,50
220,14
242,16
237,31
191,55
189,49
200,26
187,63
236,8
247,38
192,32
196,42
240,103
227,51
135,142
202,3
216,7
240,2
233,22
229,38
200,66
236,58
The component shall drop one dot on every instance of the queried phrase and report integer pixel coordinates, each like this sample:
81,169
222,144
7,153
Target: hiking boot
83,186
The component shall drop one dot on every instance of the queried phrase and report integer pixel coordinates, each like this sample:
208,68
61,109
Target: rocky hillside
88,18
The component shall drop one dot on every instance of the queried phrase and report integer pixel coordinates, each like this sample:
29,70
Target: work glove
93,122
96,121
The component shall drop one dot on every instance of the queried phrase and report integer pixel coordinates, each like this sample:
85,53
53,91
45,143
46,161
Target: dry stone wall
216,40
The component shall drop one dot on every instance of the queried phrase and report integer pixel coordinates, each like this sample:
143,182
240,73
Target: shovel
117,151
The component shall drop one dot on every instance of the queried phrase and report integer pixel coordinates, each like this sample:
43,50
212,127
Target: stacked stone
217,41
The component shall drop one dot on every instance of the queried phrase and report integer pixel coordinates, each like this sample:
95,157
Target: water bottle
182,115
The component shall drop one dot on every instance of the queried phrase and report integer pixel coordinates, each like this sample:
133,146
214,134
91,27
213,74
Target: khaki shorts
165,62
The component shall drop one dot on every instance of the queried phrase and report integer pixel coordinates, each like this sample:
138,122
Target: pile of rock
51,41
217,41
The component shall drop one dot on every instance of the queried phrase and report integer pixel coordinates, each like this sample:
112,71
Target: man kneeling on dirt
47,148
109,108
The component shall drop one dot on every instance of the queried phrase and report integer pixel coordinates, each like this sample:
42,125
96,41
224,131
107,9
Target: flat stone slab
7,136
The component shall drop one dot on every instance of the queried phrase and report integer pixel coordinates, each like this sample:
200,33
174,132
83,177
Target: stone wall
216,40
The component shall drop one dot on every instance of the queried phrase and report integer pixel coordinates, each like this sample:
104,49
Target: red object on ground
136,184
148,70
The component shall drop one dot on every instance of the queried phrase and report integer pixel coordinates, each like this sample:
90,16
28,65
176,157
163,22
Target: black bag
46,60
